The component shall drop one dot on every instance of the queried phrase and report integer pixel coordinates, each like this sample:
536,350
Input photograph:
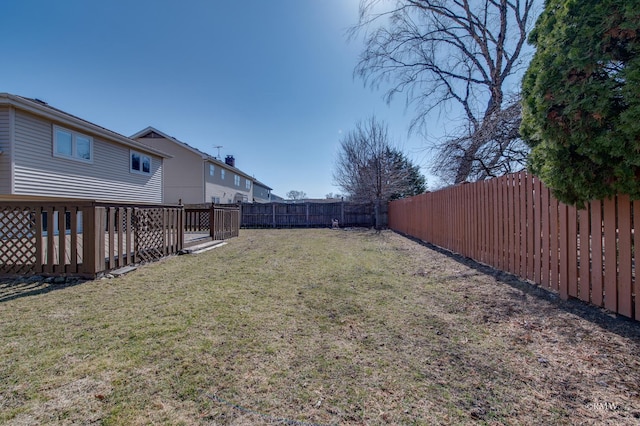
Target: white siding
225,193
5,157
38,172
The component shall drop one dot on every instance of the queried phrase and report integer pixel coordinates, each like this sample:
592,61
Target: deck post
93,221
212,218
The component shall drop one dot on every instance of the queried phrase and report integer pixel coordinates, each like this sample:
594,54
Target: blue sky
269,80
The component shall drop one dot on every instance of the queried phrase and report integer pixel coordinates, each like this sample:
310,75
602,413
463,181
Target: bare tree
296,195
457,54
370,169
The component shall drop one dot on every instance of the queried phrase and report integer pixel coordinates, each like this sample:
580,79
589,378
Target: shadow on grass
607,320
15,289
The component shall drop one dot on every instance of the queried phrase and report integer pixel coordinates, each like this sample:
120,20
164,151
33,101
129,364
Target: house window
215,200
73,145
222,174
140,163
248,184
236,180
212,169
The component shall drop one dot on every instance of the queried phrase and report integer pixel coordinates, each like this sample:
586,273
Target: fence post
181,228
273,206
93,219
212,226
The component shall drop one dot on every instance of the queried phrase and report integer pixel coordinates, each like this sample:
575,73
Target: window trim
236,180
222,174
74,145
212,170
142,156
247,184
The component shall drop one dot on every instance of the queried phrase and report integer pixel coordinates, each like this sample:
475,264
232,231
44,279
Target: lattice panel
204,220
149,234
18,241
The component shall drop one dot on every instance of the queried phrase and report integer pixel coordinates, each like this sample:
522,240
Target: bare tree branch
451,53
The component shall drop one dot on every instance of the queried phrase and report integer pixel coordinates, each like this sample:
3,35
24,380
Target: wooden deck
101,236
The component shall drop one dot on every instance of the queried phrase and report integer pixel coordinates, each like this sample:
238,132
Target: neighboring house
261,192
45,152
195,177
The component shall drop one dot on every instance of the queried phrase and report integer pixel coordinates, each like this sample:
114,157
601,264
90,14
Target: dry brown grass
312,327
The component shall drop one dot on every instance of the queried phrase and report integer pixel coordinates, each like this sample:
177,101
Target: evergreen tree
414,181
581,99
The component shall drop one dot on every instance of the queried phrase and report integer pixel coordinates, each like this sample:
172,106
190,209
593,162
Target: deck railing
220,221
85,237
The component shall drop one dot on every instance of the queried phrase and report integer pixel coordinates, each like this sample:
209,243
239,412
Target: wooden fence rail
514,223
306,215
84,237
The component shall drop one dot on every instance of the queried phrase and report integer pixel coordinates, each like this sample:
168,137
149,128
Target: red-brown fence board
584,251
545,229
515,224
494,221
530,225
537,217
554,244
597,248
610,266
572,251
625,301
564,243
523,225
486,222
513,227
636,247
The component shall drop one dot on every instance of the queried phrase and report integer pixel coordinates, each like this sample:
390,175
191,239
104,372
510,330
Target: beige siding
224,189
38,172
226,194
5,157
183,173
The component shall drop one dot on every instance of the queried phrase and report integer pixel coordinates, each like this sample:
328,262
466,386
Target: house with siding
261,192
45,152
195,177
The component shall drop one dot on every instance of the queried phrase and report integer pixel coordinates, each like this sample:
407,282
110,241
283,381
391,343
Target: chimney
230,161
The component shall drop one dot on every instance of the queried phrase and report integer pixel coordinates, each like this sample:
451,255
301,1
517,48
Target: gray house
261,192
45,152
195,177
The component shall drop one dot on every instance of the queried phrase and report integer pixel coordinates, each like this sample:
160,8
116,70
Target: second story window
73,145
222,174
140,163
212,169
248,184
236,180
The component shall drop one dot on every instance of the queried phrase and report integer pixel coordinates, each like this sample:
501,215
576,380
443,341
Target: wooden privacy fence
514,224
220,221
306,215
84,237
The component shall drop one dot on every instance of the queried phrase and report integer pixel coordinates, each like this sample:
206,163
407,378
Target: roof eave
69,120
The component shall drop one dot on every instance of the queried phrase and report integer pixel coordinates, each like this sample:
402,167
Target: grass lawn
312,327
